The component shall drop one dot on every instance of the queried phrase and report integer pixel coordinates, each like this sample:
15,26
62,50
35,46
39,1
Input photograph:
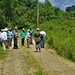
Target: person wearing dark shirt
37,40
15,36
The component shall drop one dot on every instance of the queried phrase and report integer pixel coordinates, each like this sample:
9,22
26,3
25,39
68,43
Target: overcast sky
62,4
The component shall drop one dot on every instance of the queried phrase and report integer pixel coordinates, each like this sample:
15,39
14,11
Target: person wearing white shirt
0,37
4,39
28,38
43,34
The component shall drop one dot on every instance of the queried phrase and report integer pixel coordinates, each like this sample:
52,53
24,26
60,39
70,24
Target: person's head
9,29
37,29
23,29
6,29
30,28
16,29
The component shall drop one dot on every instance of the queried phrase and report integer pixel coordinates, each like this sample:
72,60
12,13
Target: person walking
22,36
37,40
15,36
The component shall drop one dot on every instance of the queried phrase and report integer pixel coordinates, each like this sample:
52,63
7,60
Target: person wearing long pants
15,36
37,40
31,33
28,38
22,37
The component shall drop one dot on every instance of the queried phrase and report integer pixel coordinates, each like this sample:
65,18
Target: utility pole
37,24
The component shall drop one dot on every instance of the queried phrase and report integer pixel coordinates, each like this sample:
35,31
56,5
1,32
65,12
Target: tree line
23,13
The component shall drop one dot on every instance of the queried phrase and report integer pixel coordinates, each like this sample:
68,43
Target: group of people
6,36
27,36
38,36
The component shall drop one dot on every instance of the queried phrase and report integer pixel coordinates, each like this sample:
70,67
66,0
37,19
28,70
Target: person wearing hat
28,38
31,33
4,39
37,40
9,37
15,36
43,34
1,37
22,36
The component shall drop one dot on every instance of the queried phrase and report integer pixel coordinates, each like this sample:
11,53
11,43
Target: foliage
61,36
3,54
59,25
22,13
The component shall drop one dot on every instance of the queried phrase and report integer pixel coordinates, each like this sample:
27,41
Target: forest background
59,25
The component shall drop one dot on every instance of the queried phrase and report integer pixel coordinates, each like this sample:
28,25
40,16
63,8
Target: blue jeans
42,43
31,40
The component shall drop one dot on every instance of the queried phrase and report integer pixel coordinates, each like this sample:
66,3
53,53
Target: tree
8,9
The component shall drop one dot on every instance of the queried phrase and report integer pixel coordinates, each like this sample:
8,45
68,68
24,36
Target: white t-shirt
4,36
28,35
43,32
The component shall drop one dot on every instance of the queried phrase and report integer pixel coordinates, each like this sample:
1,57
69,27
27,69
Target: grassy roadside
3,54
33,68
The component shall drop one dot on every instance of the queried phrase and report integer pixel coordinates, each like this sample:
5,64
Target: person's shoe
13,48
28,47
36,51
40,51
7,47
23,45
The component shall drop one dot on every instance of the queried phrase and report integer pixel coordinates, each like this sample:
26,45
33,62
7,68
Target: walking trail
14,63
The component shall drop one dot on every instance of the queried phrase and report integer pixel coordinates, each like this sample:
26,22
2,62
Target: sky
62,4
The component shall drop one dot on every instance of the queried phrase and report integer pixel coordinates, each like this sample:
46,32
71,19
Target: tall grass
61,36
3,54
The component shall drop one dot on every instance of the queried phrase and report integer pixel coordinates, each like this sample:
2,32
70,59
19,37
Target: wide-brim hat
38,29
15,27
6,29
23,29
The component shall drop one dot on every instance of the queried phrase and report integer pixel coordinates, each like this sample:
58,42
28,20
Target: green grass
61,36
3,54
32,63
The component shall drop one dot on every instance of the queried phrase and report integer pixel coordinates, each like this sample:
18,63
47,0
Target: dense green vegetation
61,36
22,13
59,25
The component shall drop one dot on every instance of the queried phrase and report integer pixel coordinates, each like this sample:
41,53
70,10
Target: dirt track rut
53,64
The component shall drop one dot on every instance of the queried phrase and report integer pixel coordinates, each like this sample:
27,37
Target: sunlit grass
3,54
32,63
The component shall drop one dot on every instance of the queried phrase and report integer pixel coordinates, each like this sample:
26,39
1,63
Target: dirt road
15,64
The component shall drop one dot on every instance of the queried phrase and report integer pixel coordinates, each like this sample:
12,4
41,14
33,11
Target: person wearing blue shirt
22,37
9,37
15,36
31,33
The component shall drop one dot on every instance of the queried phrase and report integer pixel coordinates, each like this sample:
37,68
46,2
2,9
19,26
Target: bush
61,36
